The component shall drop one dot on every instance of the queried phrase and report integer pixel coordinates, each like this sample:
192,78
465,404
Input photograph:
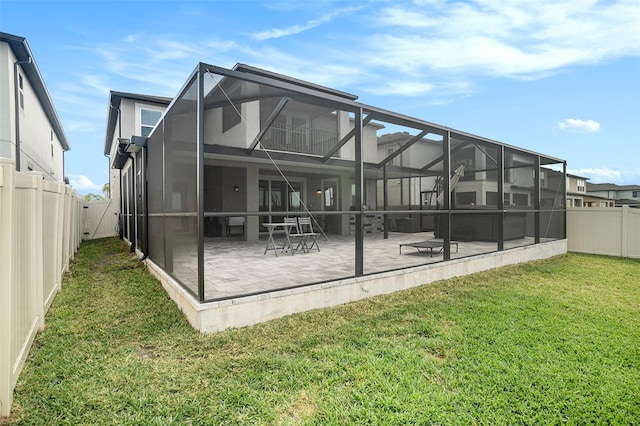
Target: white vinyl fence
41,227
611,231
101,218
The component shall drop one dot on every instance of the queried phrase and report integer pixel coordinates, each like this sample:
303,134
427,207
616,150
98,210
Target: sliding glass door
276,196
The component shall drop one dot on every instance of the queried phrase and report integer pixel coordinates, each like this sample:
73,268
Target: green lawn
550,342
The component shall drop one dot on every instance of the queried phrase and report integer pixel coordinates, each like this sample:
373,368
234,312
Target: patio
234,267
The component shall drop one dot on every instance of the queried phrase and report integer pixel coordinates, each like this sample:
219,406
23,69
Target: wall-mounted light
236,188
318,191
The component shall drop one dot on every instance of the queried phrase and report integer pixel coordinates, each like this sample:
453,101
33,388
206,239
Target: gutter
16,94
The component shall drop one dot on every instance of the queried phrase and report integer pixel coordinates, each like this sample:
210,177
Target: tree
106,190
93,197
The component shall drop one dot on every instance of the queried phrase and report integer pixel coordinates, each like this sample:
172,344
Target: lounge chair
428,246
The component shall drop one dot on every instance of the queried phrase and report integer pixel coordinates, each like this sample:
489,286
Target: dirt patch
116,261
147,352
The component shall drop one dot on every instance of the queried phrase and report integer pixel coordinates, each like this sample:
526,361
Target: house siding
37,136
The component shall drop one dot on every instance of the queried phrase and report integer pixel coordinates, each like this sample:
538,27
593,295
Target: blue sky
561,78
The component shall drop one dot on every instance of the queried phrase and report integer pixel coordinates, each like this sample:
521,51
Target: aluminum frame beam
403,148
272,117
345,139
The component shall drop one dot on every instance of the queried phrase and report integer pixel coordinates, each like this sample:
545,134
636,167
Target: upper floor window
395,161
581,185
635,194
465,157
148,119
51,144
21,91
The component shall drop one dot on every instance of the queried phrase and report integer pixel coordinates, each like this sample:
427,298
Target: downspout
16,93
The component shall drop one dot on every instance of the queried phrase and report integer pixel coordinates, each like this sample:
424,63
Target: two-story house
129,115
624,195
30,131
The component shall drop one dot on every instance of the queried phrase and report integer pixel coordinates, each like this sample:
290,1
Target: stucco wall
36,132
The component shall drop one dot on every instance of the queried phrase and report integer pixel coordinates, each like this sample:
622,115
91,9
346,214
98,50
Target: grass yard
550,342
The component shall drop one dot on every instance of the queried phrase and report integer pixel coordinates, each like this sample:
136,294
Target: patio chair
293,234
306,229
235,222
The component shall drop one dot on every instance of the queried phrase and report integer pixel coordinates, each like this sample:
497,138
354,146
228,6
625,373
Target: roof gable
115,99
22,51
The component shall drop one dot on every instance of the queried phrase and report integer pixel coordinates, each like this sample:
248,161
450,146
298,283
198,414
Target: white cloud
295,29
619,176
602,174
95,82
577,125
406,88
518,39
84,126
83,183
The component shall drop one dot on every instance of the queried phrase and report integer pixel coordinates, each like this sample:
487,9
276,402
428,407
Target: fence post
624,235
59,234
66,232
36,247
6,283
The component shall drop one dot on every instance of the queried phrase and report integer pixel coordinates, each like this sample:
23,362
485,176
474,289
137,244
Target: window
521,199
635,194
148,119
465,198
51,144
466,157
492,198
394,162
581,185
21,91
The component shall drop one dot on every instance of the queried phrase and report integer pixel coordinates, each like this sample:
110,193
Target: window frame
148,126
21,91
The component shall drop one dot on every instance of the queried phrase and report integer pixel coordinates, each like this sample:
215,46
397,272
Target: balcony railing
304,140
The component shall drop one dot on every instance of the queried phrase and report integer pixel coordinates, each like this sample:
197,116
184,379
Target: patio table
271,244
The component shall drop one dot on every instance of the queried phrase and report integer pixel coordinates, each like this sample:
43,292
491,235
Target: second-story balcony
304,140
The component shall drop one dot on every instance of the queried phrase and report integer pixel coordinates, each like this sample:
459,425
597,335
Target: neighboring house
30,130
576,190
624,195
577,195
132,115
239,150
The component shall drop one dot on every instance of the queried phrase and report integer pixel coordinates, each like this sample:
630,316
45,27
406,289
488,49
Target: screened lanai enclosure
240,150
